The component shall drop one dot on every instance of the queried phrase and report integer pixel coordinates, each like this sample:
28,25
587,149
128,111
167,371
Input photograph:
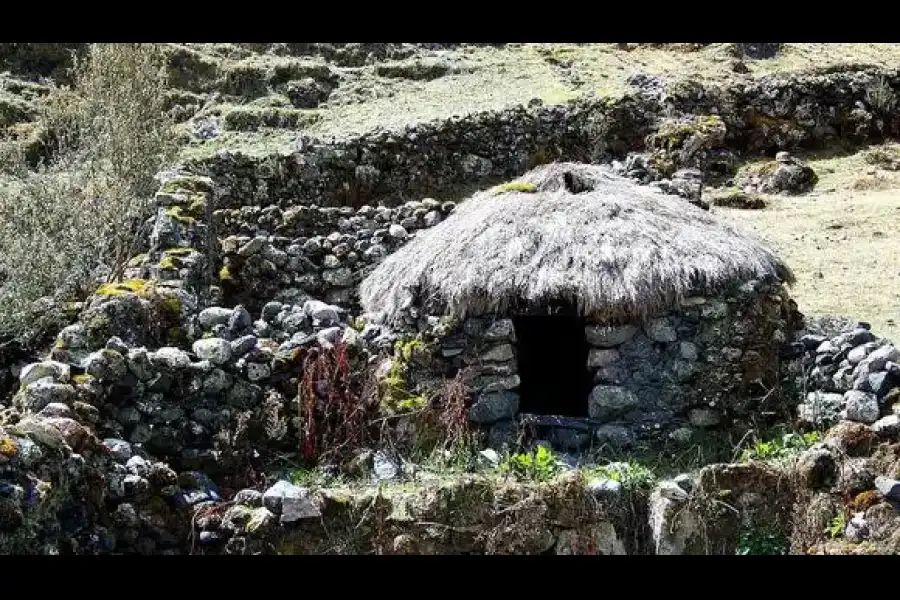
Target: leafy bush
75,219
788,445
538,465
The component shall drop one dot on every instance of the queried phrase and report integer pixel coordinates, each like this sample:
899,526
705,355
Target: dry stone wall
715,362
751,116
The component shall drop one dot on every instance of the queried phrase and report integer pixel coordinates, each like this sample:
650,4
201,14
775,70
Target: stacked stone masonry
758,116
713,362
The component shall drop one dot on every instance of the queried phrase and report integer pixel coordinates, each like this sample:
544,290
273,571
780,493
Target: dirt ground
842,240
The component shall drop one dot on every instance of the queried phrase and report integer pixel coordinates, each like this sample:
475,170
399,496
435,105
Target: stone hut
605,311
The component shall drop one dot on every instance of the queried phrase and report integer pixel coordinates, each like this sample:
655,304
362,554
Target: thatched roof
568,231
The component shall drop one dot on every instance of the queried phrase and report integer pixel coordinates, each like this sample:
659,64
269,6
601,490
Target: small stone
608,337
240,320
887,487
215,350
685,482
888,426
820,409
661,330
613,436
861,407
398,232
603,488
321,313
385,468
258,371
881,383
214,315
56,409
270,310
57,371
688,351
602,357
243,345
607,402
501,353
252,247
490,456
120,449
856,355
139,364
249,497
39,394
170,358
811,342
672,491
106,365
493,407
881,356
500,330
857,530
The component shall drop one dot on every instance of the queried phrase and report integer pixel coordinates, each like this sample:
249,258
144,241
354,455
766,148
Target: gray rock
170,358
243,345
398,232
503,435
501,330
120,449
856,355
493,407
811,341
291,502
249,497
432,218
39,394
888,426
661,330
614,436
138,465
820,409
258,371
215,350
607,402
216,382
254,246
603,488
602,357
670,490
490,456
342,277
330,336
887,487
881,356
704,417
494,383
139,364
57,371
270,310
827,347
685,482
214,315
385,467
321,313
56,409
688,351
240,320
861,406
608,337
106,365
857,530
881,383
500,353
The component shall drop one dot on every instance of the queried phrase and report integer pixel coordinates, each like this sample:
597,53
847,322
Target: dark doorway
552,354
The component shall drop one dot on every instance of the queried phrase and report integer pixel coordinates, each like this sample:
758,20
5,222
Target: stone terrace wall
763,115
322,252
713,362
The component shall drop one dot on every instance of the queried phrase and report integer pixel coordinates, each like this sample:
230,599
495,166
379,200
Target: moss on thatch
620,249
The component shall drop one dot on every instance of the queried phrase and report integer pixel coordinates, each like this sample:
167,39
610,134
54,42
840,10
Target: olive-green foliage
72,220
787,445
537,465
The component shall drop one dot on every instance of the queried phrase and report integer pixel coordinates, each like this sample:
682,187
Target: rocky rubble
853,376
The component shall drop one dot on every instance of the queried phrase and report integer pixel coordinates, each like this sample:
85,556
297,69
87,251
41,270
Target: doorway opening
552,356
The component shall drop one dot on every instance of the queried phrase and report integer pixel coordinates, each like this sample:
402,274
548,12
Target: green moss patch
517,186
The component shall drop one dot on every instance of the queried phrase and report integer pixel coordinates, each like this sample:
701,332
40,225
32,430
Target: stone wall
712,363
751,116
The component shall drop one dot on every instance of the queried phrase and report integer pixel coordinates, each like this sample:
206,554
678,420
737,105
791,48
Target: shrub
76,218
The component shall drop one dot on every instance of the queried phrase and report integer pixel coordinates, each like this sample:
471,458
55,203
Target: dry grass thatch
620,249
